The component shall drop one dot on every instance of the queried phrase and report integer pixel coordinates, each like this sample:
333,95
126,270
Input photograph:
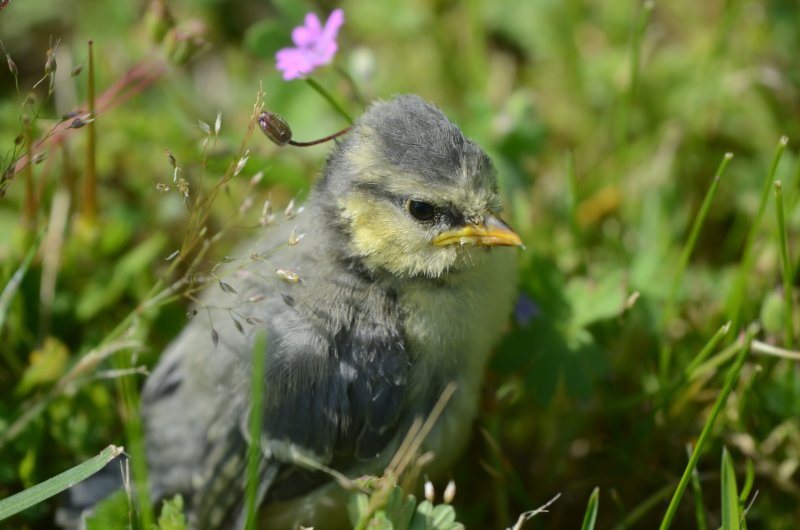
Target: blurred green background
607,122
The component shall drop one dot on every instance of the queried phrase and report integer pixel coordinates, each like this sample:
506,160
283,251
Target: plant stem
29,207
135,434
90,180
329,98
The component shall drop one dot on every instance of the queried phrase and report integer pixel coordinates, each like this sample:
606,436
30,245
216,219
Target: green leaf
592,300
379,522
547,351
46,365
172,517
423,517
443,516
357,506
591,510
400,508
55,485
111,512
730,494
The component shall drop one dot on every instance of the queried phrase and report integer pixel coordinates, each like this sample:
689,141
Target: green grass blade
788,310
730,494
749,478
737,294
591,510
707,349
699,504
134,430
730,380
639,29
256,413
665,359
694,233
633,517
55,485
13,284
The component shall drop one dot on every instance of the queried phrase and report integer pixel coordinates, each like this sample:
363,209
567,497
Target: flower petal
325,55
332,25
293,63
301,37
313,25
314,46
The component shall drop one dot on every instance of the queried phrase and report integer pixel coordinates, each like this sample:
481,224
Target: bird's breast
450,327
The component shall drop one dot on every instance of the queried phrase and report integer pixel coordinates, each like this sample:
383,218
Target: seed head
287,276
12,66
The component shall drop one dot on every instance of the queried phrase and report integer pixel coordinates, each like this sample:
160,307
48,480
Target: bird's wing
334,393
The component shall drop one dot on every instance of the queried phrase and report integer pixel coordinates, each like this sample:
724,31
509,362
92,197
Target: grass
637,145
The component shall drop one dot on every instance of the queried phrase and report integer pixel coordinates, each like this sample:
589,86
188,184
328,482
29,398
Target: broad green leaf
46,365
592,301
400,508
443,516
111,512
423,518
357,506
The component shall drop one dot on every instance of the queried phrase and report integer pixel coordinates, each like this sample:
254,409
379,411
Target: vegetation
649,156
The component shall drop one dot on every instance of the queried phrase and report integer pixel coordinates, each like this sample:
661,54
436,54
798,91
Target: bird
397,280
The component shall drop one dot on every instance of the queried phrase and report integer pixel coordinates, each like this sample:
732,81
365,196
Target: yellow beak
492,233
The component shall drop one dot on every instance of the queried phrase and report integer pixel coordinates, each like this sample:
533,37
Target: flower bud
50,65
158,20
275,127
449,492
430,493
182,43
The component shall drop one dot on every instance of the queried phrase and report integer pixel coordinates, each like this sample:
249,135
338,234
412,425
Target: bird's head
407,193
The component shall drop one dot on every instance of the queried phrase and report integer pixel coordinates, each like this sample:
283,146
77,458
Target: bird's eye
422,211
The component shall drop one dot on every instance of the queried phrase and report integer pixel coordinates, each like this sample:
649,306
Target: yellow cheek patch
373,228
387,238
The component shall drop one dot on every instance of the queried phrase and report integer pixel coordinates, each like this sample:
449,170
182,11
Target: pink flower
314,46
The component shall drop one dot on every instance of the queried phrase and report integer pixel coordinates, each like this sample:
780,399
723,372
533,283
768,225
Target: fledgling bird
402,287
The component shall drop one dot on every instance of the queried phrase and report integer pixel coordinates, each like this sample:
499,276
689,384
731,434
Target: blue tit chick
402,283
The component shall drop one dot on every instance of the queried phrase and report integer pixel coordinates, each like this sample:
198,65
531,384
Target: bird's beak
491,233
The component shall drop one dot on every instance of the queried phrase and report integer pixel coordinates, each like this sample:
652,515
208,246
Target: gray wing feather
334,389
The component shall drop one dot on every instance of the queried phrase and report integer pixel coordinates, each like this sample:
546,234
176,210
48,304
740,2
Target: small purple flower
314,46
525,310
